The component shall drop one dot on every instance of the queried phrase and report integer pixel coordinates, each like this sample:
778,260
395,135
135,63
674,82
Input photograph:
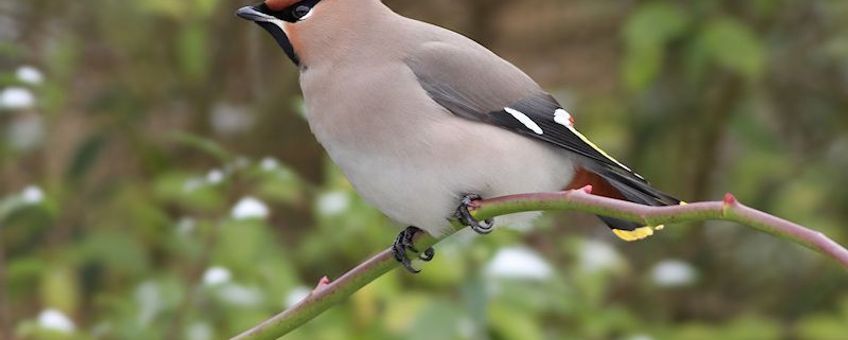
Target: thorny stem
327,294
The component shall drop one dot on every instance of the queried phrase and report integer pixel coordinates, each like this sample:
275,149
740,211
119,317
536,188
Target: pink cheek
294,38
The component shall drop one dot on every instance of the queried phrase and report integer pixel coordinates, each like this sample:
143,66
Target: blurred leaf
646,33
32,330
751,327
439,319
179,9
9,50
86,156
654,24
24,274
279,184
400,313
59,288
444,270
193,49
119,252
735,46
198,143
188,191
743,328
511,324
175,9
821,326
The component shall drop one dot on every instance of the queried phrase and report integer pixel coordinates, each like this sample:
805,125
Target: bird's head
310,27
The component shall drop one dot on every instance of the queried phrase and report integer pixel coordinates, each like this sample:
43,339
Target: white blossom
518,263
269,164
673,273
333,203
16,98
216,276
215,176
55,320
250,208
32,195
597,256
29,75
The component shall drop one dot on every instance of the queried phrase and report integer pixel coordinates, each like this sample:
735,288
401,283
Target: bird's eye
300,12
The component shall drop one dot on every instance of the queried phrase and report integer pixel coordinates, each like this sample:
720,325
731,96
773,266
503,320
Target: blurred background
159,181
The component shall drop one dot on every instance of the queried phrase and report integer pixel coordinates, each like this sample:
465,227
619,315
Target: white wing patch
521,117
562,116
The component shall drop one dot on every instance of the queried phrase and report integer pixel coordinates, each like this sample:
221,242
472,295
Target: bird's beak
260,15
254,13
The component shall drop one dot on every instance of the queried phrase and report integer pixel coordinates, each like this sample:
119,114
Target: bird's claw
404,242
465,217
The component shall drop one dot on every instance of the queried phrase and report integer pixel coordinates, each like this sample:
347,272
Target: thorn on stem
729,199
587,189
324,282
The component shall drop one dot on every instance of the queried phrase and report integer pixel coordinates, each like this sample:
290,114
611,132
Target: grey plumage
416,116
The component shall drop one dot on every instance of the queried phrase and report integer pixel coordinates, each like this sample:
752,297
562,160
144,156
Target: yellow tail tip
639,233
636,234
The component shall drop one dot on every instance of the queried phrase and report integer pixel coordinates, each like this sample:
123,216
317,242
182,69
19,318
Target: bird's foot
405,242
464,216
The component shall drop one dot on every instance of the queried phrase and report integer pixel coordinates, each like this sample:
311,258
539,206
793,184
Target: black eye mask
265,17
293,13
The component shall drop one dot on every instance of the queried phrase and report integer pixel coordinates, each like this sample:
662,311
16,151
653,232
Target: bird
423,121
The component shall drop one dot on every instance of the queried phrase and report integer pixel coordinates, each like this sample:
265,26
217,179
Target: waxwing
423,120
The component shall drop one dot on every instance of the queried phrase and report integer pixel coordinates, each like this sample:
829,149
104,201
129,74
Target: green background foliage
163,184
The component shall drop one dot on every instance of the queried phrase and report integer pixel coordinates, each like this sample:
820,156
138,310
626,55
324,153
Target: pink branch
327,293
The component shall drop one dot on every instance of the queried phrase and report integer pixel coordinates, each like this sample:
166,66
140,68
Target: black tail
632,188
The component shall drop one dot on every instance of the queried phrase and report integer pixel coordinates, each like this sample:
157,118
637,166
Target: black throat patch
281,39
292,14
